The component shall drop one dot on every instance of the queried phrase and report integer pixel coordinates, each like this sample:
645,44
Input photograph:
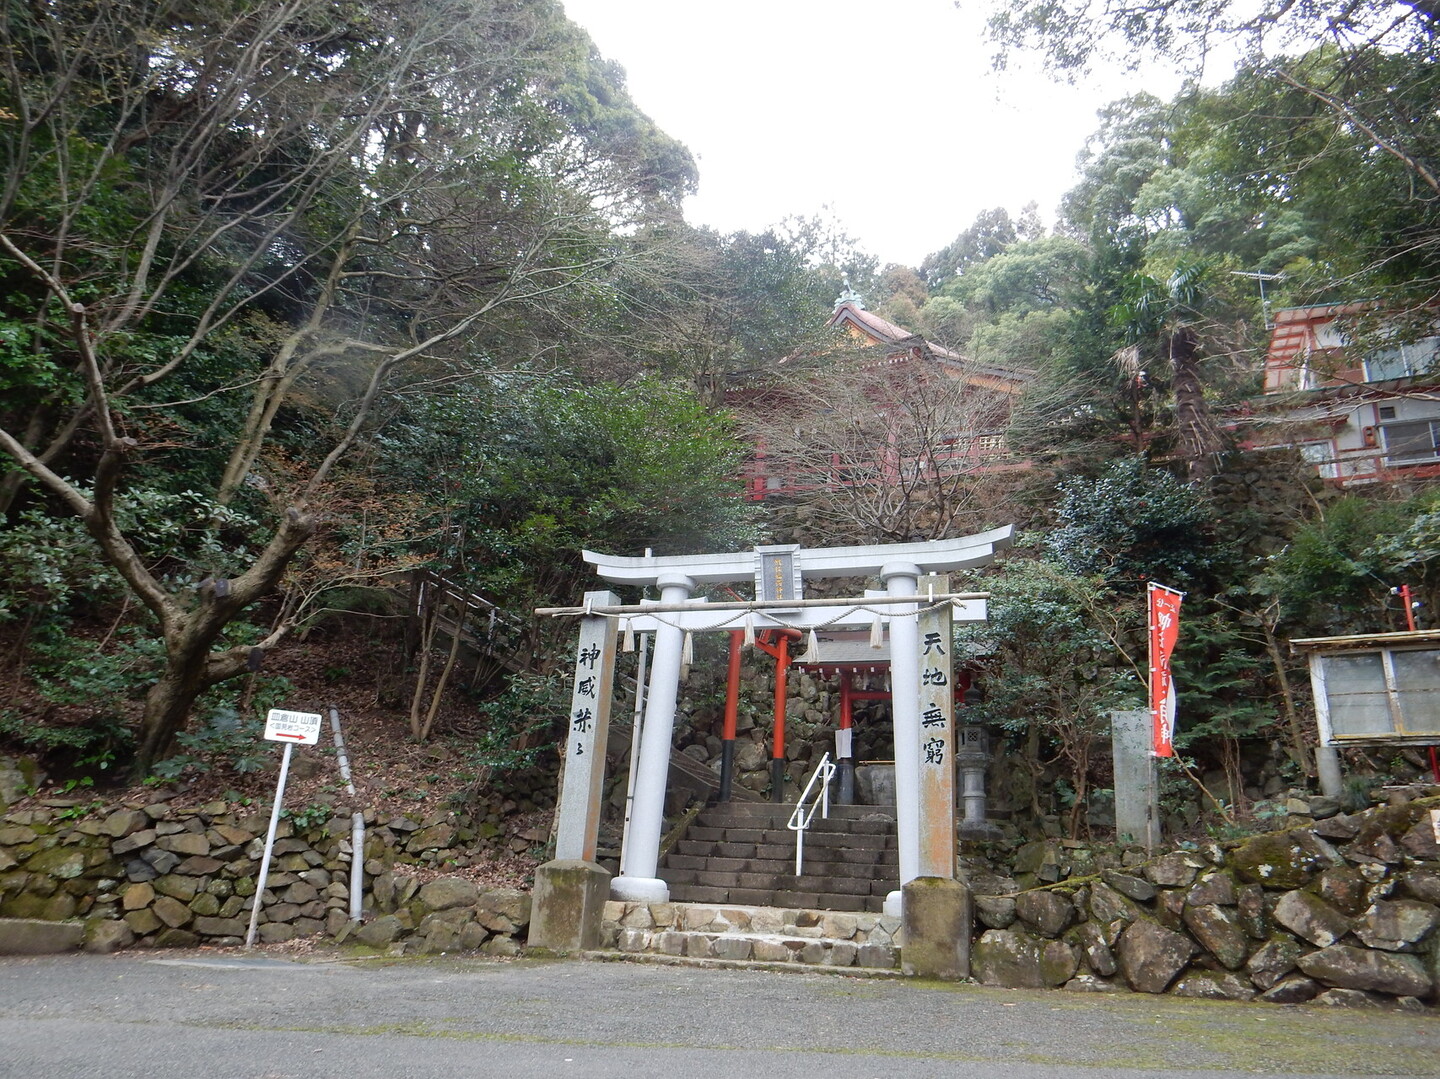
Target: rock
1422,883
1108,905
994,912
1396,925
1420,841
1058,963
1211,889
19,776
1279,860
1094,949
1173,870
381,931
1345,967
877,957
1250,908
278,932
177,887
1047,911
436,837
137,869
1344,889
162,861
14,835
1007,958
1213,985
442,893
1136,888
205,905
502,910
1216,930
176,938
184,843
1373,844
1341,828
142,922
1088,983
1041,858
501,946
124,821
750,756
220,927
1310,917
137,896
1350,998
1271,961
1322,805
731,947
172,912
1151,956
62,863
1170,908
106,935
1296,990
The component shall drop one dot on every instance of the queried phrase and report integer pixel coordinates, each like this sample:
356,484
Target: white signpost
291,728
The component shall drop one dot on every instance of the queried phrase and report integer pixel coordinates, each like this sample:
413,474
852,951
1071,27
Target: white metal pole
636,723
357,823
269,846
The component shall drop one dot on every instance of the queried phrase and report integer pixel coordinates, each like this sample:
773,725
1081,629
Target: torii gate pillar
637,881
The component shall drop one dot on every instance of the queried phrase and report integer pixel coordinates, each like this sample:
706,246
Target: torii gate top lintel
932,556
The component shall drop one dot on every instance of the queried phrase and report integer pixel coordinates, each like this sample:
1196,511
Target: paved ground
223,1014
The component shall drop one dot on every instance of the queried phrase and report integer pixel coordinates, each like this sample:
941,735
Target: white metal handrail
801,818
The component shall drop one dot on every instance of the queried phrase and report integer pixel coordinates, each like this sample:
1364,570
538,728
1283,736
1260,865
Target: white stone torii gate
779,573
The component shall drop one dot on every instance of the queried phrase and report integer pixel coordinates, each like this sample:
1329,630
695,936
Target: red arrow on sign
282,734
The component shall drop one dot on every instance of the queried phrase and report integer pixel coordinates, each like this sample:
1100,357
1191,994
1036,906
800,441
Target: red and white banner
1164,607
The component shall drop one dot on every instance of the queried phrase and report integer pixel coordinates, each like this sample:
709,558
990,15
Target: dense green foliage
298,295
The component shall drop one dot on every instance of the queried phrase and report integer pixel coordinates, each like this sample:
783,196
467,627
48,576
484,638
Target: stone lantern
972,757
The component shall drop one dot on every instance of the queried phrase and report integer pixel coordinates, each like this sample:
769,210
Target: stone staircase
741,853
743,935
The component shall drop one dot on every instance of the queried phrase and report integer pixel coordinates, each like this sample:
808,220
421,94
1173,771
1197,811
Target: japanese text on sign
297,728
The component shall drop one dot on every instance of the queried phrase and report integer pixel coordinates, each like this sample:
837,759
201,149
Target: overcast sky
888,113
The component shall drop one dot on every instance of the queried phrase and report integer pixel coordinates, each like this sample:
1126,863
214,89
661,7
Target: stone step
754,934
744,853
777,845
774,882
885,865
702,829
767,897
782,811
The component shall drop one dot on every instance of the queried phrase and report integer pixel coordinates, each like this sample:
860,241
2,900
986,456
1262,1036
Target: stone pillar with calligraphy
937,734
936,908
578,813
570,891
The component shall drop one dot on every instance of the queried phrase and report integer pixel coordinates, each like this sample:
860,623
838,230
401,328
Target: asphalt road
227,1014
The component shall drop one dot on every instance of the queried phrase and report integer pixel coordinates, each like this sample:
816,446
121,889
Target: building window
1378,695
1415,441
1402,361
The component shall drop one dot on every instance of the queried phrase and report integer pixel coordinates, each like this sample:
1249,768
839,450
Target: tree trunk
168,704
1200,443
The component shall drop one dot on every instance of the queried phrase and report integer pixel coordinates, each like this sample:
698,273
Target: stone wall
160,876
1343,911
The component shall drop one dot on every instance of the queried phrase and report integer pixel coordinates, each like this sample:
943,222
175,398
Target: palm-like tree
1160,318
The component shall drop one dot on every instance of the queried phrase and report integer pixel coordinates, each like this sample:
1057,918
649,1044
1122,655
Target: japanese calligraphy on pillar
588,727
937,734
